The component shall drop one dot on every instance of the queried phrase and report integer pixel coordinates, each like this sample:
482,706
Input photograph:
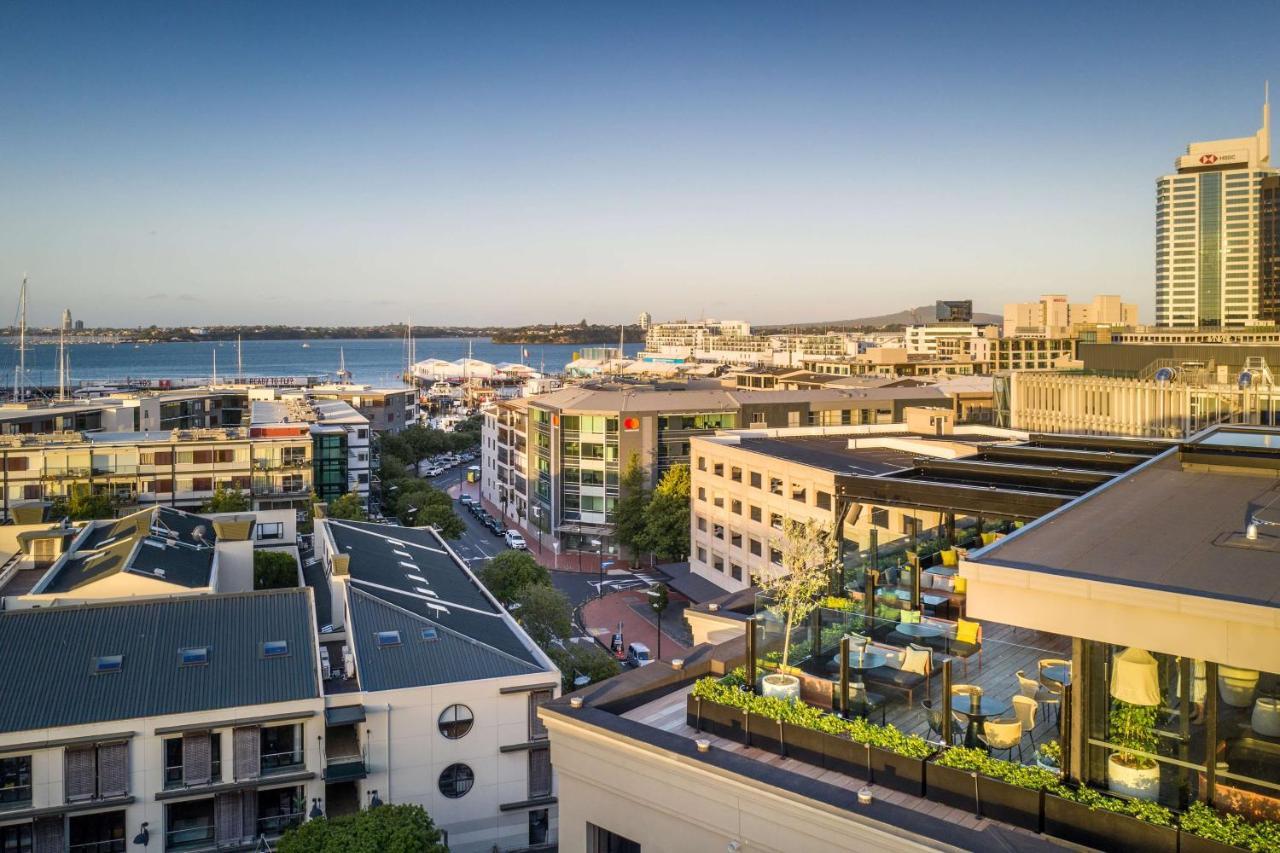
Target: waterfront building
1024,353
211,719
1209,227
733,342
1054,317
388,410
926,339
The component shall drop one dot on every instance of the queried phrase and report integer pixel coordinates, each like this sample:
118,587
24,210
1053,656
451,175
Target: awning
344,715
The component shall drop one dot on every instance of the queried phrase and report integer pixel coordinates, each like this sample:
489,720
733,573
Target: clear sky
532,162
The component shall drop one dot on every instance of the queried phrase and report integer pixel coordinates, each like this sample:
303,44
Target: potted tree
808,553
1133,727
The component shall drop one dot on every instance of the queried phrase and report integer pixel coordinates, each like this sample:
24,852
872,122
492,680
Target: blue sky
521,162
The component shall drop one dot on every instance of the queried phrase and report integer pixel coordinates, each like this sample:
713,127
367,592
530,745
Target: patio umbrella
1135,677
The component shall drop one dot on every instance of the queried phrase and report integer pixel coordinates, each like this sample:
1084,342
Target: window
702,493
718,469
775,486
281,747
702,555
775,556
735,571
718,500
271,531
275,649
193,759
880,517
755,479
95,771
756,547
16,838
537,698
717,530
735,474
195,656
108,663
189,824
539,825
702,463
430,634
717,562
824,500
601,840
388,638
15,781
702,524
799,493
756,513
456,780
775,521
735,507
735,538
455,721
539,773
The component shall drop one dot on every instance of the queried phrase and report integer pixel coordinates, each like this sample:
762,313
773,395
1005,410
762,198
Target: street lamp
596,543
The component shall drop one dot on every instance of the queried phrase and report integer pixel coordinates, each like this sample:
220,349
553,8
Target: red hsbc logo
1208,159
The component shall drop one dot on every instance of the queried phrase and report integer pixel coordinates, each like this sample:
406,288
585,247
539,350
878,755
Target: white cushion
915,660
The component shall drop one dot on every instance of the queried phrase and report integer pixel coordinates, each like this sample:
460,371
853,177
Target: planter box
1106,830
804,744
897,772
764,733
1188,843
845,756
720,720
996,800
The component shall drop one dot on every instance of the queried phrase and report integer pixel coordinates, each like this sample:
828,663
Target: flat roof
831,453
1172,525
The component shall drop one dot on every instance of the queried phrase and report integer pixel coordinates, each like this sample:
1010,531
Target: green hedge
729,692
1208,822
975,760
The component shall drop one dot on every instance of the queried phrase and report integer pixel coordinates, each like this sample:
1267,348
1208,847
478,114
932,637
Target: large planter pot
803,743
1106,830
1188,843
780,686
764,733
1140,783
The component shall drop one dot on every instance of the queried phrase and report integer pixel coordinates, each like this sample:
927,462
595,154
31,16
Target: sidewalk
600,617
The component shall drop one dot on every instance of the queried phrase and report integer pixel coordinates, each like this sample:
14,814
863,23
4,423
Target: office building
570,445
955,311
925,340
1055,317
1208,233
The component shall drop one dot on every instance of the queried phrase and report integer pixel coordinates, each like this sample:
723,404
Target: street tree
83,505
666,518
349,507
382,829
544,612
274,570
508,573
809,550
226,500
629,511
574,659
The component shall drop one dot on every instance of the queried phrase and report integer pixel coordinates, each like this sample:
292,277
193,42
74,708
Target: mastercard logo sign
631,424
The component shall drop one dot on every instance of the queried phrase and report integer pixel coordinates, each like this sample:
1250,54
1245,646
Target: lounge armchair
906,671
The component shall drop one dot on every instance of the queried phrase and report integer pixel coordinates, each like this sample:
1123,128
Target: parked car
466,500
515,540
638,655
434,472
498,528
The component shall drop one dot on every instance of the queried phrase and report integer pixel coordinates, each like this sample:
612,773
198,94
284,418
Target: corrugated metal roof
47,654
447,657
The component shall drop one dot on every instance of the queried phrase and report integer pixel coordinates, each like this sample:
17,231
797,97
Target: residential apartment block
157,701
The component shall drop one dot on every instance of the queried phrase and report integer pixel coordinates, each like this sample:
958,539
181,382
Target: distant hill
906,317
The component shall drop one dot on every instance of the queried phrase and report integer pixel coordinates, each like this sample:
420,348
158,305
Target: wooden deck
1006,650
668,714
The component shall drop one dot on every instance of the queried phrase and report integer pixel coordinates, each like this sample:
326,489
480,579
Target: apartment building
340,451
1209,216
156,701
142,411
733,342
1025,353
568,448
925,339
388,410
1056,317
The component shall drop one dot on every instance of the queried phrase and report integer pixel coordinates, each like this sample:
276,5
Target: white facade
923,340
1207,232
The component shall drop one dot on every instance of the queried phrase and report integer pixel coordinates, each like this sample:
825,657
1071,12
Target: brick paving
601,616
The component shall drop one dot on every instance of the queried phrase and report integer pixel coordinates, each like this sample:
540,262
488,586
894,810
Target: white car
515,540
434,472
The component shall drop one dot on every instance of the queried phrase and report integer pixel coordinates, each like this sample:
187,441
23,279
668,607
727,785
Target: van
638,655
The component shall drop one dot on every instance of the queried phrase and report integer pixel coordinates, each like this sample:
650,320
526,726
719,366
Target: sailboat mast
62,362
215,366
20,378
239,362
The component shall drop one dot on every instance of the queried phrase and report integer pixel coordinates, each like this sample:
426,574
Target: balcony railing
281,762
277,824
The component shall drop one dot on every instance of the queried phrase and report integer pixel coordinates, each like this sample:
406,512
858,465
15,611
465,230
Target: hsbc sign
1238,157
1208,159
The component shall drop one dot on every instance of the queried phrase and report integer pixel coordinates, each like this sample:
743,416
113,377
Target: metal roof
443,657
47,662
411,569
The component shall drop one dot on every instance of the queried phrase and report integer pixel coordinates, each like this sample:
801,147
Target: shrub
274,570
729,692
385,829
1096,801
1009,772
1207,822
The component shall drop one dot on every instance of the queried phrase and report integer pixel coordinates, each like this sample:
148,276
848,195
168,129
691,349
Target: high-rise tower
1208,231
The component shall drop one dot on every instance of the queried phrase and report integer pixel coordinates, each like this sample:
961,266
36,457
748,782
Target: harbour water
374,361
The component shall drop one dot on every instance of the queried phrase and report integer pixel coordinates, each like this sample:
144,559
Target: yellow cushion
966,631
949,557
988,538
910,617
962,584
